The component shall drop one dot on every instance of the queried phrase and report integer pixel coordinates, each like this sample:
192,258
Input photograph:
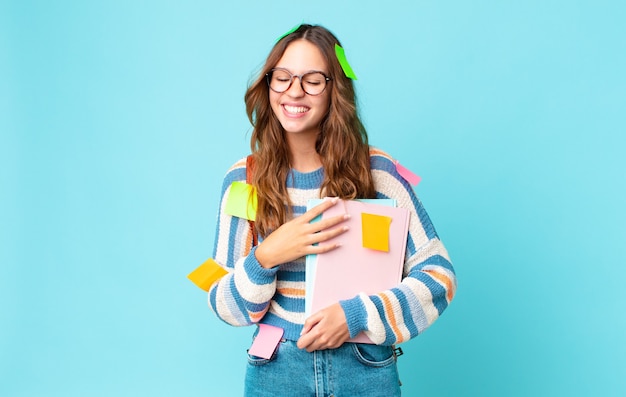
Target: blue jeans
351,370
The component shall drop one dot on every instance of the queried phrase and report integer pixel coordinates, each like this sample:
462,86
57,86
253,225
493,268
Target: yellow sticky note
375,230
242,201
206,274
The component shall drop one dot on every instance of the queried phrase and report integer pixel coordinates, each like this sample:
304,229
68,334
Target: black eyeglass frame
268,77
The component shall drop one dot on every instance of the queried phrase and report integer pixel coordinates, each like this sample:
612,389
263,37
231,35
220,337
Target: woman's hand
326,329
295,238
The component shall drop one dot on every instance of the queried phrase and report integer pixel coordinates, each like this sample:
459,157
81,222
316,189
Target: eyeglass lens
312,83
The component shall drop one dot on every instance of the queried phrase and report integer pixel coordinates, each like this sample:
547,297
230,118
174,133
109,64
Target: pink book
352,268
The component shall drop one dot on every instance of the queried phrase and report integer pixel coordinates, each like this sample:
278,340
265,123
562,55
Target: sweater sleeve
428,284
243,295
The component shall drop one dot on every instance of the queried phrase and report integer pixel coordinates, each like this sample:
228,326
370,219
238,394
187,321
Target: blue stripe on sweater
237,174
410,248
384,164
236,305
299,210
290,304
406,310
232,234
299,275
427,225
435,288
236,309
292,330
212,295
305,180
256,307
438,260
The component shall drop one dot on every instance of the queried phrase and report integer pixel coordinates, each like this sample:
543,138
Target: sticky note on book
375,229
206,274
242,201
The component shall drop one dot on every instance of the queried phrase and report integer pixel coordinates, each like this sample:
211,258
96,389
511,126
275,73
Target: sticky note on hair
242,201
343,61
375,230
407,174
266,341
206,274
288,32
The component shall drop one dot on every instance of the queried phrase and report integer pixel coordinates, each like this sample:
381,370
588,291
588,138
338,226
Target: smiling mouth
295,109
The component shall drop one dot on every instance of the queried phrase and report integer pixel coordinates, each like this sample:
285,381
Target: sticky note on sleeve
375,229
242,201
407,174
206,274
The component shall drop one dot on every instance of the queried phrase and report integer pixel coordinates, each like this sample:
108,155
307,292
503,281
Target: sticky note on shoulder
375,229
206,274
407,174
242,201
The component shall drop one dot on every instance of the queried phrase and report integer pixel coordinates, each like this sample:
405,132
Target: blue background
118,120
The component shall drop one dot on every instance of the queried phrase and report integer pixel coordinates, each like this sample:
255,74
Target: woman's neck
303,156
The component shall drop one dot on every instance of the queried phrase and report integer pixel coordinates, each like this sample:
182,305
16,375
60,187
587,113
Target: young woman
308,142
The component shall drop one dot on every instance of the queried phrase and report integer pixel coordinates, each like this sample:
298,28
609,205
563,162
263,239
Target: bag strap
249,172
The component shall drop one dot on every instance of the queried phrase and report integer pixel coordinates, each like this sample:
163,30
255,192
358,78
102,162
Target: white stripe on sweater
376,329
250,291
393,188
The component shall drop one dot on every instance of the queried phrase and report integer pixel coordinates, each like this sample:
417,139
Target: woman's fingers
300,237
327,223
319,209
326,329
327,233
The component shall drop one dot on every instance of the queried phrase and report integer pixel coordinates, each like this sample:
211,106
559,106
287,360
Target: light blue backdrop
118,120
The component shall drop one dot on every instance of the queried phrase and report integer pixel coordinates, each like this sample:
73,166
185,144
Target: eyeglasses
313,83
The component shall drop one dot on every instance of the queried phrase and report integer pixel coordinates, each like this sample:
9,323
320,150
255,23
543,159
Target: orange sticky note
375,230
242,201
206,274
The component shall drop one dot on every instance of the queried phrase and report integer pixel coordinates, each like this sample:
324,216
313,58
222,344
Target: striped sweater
250,294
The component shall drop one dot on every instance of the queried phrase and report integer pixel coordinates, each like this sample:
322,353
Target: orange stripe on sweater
248,246
291,291
445,280
392,318
255,317
239,164
378,152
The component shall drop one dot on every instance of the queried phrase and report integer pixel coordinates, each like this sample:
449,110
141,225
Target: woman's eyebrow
308,71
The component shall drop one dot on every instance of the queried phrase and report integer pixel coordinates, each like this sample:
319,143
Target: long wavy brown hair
342,143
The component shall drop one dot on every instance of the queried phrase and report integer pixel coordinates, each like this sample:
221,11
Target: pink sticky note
266,341
407,174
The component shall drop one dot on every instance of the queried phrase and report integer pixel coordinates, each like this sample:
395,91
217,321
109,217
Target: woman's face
297,111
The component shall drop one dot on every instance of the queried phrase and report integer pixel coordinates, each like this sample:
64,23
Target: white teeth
295,109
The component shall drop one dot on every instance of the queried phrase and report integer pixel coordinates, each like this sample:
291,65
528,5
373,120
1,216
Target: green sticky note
341,57
289,32
375,230
242,201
